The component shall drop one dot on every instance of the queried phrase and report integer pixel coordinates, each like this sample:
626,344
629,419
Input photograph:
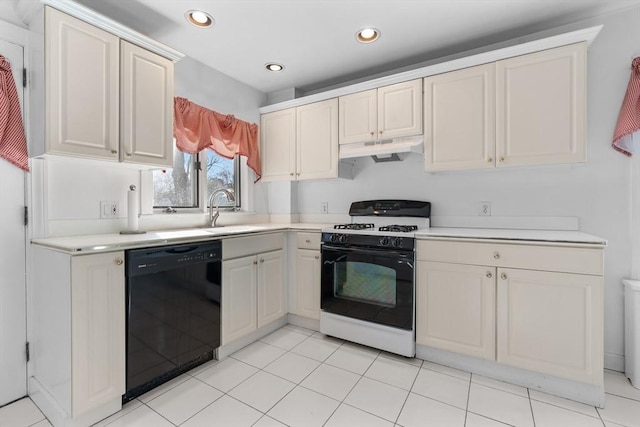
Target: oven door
375,285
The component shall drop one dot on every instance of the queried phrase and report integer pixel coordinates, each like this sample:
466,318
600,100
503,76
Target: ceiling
315,39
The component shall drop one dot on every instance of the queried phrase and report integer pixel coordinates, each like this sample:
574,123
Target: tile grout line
466,409
408,394
533,417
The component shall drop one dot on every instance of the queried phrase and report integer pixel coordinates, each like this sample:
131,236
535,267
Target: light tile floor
297,377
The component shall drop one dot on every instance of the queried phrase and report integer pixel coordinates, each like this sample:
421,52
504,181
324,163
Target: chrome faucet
213,217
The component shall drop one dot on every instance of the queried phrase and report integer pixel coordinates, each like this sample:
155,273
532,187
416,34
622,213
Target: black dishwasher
173,312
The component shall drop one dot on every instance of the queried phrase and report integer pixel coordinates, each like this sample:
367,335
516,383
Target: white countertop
554,236
111,242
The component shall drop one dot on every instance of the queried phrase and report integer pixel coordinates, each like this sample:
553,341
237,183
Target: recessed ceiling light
274,66
199,18
368,35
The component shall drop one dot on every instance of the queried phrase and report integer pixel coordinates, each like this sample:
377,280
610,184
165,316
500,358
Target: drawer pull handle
261,260
372,132
489,275
308,241
503,276
489,160
255,262
114,151
317,257
291,174
502,159
496,255
119,261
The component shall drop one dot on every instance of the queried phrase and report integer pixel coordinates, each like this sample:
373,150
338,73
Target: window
179,187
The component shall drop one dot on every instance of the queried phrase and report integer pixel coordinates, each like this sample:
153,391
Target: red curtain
196,128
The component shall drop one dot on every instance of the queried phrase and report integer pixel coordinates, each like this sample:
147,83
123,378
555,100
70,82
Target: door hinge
24,77
198,165
26,215
27,351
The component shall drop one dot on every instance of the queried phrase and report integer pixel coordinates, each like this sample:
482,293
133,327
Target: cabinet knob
291,174
255,262
502,159
114,151
119,261
261,260
317,257
489,275
128,154
308,241
371,133
496,255
489,160
503,276
380,132
298,173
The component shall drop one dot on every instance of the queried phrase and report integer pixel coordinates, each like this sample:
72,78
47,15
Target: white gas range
368,274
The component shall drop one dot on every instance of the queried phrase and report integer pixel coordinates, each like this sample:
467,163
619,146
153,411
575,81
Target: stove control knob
396,242
342,238
385,241
333,238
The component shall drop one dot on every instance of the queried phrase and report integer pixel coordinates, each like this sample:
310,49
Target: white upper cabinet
105,98
459,119
317,140
388,112
541,107
527,110
82,86
146,106
278,145
300,143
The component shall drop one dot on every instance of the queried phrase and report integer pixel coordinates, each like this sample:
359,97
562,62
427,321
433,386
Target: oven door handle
378,252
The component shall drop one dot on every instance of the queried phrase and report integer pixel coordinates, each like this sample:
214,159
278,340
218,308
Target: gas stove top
381,223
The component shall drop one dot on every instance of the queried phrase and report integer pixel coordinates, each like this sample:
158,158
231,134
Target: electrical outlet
484,209
109,209
324,207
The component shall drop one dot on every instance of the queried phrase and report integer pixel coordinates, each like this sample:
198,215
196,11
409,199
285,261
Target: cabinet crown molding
515,47
92,17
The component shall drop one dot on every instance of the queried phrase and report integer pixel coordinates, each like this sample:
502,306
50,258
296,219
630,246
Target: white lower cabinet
457,308
480,299
78,339
305,289
253,286
551,322
308,283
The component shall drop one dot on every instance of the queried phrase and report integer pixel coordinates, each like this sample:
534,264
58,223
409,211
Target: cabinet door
308,283
146,107
272,300
400,110
358,117
551,323
97,330
455,308
317,140
82,88
459,119
238,311
278,145
541,107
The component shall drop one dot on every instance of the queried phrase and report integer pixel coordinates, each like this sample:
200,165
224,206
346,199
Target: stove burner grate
353,226
399,228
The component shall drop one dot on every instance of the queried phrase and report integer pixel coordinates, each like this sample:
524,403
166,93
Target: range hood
387,150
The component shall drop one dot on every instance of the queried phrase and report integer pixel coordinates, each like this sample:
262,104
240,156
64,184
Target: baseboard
228,349
304,322
614,362
589,394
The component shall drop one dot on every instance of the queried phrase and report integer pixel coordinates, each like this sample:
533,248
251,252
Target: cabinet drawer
531,257
237,247
308,240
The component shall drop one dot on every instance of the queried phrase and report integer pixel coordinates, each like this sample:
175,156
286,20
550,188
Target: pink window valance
196,128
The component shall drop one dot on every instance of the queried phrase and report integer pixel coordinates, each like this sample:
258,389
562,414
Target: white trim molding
91,17
585,35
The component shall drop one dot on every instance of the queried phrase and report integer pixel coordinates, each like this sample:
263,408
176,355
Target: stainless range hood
387,150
